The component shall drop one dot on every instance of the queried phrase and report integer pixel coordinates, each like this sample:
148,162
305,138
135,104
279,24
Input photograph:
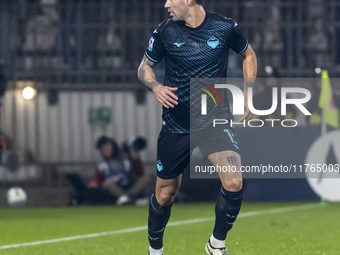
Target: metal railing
103,41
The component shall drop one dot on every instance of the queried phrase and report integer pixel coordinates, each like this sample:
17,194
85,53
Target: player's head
179,9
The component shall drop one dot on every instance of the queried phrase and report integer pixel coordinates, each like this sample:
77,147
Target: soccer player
194,43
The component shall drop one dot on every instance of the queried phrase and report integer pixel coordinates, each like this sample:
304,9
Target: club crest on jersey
213,42
151,43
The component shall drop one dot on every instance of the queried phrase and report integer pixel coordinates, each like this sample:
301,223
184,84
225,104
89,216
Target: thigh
228,163
228,166
173,154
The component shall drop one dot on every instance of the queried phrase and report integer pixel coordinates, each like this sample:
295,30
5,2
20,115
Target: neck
196,16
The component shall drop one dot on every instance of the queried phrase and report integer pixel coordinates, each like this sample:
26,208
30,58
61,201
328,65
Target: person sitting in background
112,174
138,178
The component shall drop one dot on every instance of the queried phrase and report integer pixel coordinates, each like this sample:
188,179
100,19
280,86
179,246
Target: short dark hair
104,140
200,2
139,143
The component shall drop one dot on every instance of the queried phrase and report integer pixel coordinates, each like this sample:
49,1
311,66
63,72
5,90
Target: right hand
92,184
165,96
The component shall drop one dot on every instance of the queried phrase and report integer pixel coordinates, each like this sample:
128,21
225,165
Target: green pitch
262,229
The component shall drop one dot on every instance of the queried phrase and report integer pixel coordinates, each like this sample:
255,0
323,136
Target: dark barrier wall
275,147
266,145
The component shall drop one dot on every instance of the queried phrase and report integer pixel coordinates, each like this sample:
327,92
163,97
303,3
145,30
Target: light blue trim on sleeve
244,48
151,58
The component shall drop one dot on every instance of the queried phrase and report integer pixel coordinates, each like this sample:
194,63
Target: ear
190,2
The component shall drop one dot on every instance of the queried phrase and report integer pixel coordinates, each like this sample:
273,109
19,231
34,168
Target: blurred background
79,59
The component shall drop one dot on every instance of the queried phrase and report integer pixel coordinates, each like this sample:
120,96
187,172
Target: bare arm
147,76
249,74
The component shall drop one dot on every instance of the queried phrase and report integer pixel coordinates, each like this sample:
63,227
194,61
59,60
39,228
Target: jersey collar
182,23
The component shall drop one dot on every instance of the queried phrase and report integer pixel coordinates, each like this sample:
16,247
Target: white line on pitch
175,223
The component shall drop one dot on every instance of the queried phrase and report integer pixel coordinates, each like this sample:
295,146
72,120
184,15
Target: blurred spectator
6,28
9,156
79,31
3,87
3,145
40,36
93,20
133,162
264,99
122,180
3,82
72,29
108,48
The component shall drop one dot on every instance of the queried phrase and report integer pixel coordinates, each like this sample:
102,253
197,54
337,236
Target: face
178,9
106,150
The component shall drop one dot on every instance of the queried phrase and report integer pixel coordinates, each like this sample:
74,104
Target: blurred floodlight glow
269,70
318,70
28,93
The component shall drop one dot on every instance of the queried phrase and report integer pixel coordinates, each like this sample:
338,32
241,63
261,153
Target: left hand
92,184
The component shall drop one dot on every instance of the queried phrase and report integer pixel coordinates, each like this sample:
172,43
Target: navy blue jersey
200,52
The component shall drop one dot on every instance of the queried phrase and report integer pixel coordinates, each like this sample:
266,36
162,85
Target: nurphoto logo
238,104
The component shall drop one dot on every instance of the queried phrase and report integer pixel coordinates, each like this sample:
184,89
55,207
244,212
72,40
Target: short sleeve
238,42
155,51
